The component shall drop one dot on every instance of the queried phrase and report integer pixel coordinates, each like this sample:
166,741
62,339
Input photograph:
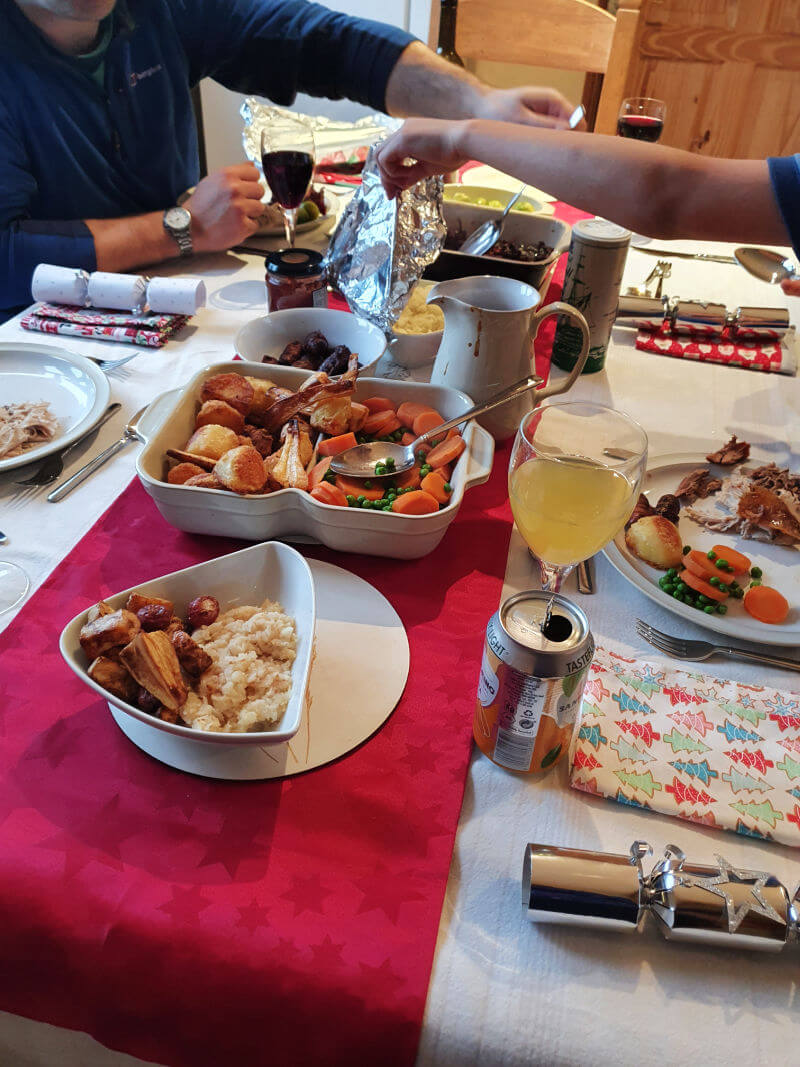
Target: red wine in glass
640,127
288,174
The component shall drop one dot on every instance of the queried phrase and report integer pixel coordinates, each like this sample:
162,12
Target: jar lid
601,232
297,262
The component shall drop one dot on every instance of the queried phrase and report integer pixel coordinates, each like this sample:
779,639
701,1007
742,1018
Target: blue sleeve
277,48
784,173
24,243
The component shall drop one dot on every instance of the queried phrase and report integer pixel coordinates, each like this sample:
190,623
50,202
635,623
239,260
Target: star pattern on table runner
326,955
252,917
185,905
306,893
384,893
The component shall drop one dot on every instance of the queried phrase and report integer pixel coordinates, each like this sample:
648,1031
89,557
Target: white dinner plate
359,670
332,206
780,563
75,388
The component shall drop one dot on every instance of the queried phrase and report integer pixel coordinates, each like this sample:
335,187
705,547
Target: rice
417,316
248,684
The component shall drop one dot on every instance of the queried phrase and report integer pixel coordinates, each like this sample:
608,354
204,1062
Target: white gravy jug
489,327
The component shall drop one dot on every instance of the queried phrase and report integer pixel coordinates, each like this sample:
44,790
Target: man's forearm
652,189
124,243
424,84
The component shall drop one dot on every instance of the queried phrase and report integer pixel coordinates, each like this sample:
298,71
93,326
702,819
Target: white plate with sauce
74,387
780,563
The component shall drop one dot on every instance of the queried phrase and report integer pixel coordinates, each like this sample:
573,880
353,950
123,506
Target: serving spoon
488,233
769,266
361,460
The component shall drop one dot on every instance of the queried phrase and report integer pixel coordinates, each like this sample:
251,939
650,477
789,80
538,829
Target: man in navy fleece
97,133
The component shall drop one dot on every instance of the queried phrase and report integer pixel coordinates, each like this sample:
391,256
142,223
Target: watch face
177,218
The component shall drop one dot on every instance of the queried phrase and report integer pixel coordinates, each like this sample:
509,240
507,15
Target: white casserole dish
271,570
169,422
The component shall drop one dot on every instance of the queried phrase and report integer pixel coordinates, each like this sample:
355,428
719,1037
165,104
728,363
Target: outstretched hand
531,105
791,286
420,148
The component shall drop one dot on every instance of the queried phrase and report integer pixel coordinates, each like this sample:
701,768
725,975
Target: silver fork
110,364
695,650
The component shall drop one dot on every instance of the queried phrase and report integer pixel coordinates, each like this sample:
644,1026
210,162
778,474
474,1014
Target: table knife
707,257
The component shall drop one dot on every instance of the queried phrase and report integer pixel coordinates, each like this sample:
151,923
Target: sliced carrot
332,446
380,423
701,586
318,472
452,433
427,420
740,563
326,493
416,503
407,439
762,602
409,479
698,563
378,403
446,451
409,410
356,487
434,484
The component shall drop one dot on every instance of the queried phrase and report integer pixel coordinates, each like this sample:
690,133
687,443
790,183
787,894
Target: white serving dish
269,334
249,576
525,229
455,191
413,350
291,513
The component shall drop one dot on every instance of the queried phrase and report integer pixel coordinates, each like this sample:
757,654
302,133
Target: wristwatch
178,224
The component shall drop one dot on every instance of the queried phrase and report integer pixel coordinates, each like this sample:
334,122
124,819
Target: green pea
686,550
703,599
737,593
713,580
711,554
380,469
677,595
721,609
756,572
710,609
351,500
389,461
755,582
448,487
734,585
723,588
682,587
672,573
367,484
721,563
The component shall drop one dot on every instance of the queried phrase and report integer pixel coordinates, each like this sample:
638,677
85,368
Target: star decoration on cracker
729,875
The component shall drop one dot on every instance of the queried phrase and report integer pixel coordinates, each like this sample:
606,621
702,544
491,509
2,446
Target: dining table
502,991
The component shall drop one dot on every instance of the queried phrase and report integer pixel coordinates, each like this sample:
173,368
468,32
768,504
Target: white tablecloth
502,990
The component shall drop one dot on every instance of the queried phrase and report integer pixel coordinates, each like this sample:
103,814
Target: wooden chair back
560,34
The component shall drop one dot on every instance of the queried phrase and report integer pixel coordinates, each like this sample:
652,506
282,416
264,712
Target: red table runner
195,922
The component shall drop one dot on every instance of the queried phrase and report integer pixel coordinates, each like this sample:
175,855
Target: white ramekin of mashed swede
417,334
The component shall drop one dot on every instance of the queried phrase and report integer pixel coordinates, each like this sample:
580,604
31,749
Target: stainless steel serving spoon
767,266
361,460
488,233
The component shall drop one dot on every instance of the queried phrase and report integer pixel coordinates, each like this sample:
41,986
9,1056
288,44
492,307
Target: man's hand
531,105
432,144
225,208
791,286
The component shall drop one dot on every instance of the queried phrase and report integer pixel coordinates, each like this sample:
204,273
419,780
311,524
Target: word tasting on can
531,682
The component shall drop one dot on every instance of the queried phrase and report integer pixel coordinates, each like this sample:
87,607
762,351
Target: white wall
223,124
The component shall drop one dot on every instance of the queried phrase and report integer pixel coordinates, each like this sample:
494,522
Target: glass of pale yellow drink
573,480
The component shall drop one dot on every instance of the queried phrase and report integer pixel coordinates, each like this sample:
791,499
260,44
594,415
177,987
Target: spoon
361,460
768,266
130,433
488,233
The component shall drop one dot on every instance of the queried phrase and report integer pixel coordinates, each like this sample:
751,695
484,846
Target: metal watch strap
182,237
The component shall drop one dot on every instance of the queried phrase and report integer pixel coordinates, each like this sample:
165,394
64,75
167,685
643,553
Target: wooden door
729,71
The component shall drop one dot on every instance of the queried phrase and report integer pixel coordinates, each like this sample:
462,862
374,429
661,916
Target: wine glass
287,157
642,118
14,585
573,480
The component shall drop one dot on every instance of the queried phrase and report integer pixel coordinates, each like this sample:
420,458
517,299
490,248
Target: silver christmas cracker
720,905
699,317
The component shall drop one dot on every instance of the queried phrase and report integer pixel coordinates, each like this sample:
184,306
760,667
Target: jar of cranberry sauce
296,279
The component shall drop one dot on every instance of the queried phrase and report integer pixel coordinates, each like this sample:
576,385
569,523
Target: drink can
531,684
593,280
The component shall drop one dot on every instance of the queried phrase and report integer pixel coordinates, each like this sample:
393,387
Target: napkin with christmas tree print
719,753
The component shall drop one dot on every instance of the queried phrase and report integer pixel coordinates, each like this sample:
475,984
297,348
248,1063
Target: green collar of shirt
93,63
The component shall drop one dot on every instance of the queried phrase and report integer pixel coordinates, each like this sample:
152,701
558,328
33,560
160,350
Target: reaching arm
660,191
